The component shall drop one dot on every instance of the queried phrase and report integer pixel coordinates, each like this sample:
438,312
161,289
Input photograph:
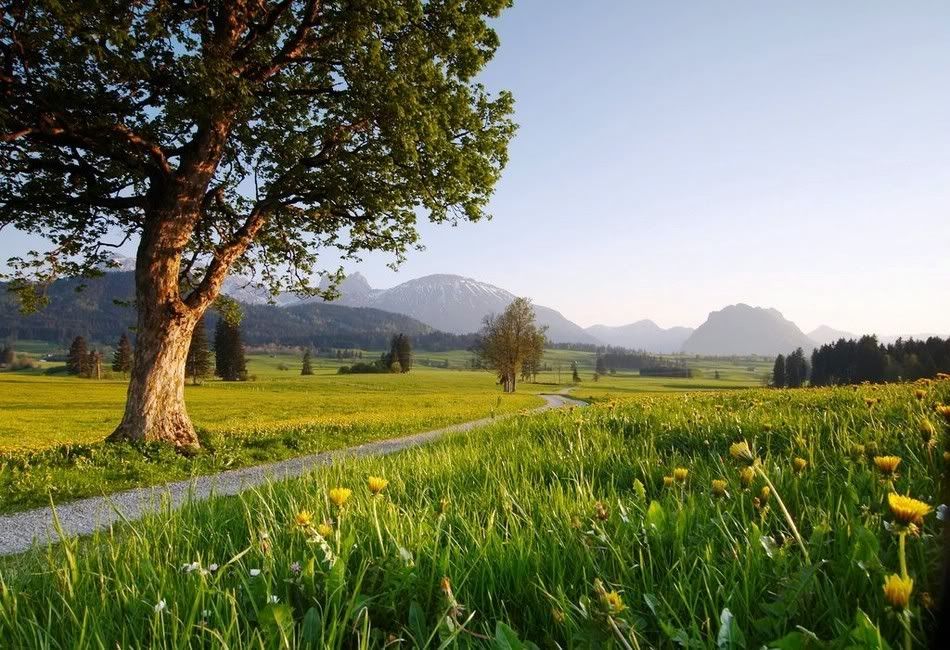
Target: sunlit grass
558,527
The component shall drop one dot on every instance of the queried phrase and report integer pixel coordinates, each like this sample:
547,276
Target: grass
558,529
51,427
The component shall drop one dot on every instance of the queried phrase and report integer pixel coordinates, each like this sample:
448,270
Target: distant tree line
850,361
613,359
397,359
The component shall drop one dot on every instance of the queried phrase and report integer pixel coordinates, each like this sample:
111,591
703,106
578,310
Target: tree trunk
155,405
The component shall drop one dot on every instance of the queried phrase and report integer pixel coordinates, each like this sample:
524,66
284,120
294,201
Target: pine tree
778,372
575,376
307,368
198,363
401,352
122,359
230,363
77,359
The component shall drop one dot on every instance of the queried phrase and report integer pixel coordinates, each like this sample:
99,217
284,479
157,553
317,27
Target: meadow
52,425
605,526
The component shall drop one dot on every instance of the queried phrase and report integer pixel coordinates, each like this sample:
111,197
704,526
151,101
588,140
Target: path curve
20,531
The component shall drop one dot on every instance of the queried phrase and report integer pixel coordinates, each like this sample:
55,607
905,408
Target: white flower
205,613
255,573
273,599
159,606
212,567
942,512
188,568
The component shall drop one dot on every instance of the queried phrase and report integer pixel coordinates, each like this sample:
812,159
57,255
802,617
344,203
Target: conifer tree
230,364
77,359
122,359
778,372
575,376
93,368
307,368
198,363
400,352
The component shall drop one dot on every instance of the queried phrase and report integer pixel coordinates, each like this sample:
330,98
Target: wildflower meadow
784,519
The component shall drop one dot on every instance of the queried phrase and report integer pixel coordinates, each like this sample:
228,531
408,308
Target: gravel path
19,532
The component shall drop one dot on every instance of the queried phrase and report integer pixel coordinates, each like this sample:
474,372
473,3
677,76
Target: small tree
507,341
78,358
307,368
778,372
122,359
400,352
7,356
93,369
198,362
575,376
229,361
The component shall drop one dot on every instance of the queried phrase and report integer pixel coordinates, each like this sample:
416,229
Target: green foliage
122,357
307,366
198,362
229,360
349,119
77,361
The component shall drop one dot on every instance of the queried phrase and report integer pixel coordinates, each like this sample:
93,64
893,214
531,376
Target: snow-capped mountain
452,303
642,335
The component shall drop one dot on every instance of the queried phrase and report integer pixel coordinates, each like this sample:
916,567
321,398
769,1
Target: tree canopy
264,131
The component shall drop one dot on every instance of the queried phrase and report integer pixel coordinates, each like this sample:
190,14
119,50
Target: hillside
825,334
742,329
102,311
642,335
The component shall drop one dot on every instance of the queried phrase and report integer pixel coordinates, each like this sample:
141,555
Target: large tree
508,341
236,135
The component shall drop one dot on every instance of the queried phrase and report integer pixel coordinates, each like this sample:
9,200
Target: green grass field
52,424
556,529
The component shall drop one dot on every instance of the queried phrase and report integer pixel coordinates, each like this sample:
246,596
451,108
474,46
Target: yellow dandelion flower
897,591
887,464
741,451
920,393
907,510
339,496
719,487
680,474
927,430
942,376
944,410
765,494
377,484
799,464
667,481
325,530
871,401
303,519
600,511
746,474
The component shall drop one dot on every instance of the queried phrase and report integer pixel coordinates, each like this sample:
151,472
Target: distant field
39,411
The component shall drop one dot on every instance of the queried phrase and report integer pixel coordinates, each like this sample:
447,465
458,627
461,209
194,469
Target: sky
676,157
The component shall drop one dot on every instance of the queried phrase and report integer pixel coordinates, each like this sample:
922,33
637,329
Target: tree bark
155,403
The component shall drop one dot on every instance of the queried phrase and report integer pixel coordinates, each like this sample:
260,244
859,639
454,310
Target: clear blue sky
675,157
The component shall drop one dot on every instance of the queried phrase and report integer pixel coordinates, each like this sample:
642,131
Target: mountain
741,330
101,312
452,303
643,335
824,334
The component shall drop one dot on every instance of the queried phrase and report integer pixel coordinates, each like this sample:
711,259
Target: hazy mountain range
437,307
